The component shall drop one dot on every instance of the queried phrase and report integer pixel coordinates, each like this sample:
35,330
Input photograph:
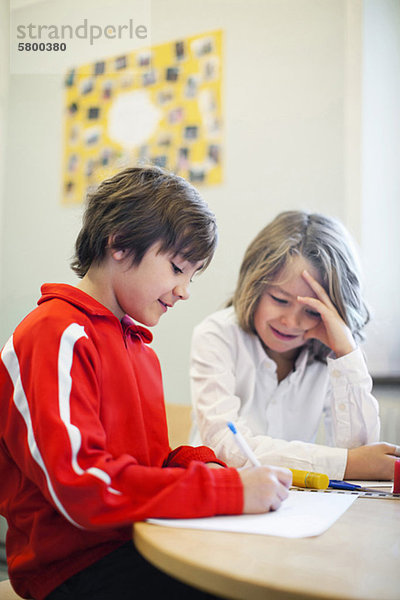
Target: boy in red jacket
84,447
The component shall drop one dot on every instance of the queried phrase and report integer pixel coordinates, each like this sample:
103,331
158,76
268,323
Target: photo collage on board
160,105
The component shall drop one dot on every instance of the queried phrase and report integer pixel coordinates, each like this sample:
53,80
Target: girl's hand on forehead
331,330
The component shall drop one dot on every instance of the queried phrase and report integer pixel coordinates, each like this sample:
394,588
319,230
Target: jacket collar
88,304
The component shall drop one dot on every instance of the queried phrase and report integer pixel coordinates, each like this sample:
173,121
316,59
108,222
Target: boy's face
147,290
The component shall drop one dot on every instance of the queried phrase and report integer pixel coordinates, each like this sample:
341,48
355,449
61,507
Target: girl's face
280,320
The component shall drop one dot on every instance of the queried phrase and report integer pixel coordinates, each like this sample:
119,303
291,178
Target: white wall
381,180
3,122
285,103
4,17
292,96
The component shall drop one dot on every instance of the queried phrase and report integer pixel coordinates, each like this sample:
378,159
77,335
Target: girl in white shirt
284,354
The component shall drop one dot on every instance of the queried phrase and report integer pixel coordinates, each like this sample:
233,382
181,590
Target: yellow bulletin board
160,105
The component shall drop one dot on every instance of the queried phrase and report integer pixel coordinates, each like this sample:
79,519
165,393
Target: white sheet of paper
300,515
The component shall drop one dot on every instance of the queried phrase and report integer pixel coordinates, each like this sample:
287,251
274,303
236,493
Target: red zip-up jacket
84,446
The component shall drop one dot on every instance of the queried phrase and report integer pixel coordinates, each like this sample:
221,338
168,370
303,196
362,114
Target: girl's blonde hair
326,244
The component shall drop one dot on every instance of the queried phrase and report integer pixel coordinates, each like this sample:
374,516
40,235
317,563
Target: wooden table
358,558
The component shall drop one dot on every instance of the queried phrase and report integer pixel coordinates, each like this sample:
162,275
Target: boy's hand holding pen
265,488
298,478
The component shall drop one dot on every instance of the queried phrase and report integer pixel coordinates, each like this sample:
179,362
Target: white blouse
233,379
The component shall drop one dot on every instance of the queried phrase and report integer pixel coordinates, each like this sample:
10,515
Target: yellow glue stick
308,479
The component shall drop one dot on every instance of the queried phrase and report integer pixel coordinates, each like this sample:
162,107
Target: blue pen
243,445
335,484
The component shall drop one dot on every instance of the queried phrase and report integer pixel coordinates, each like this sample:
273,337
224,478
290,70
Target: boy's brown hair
141,206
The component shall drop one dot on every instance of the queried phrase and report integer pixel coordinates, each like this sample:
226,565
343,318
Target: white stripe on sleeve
65,357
